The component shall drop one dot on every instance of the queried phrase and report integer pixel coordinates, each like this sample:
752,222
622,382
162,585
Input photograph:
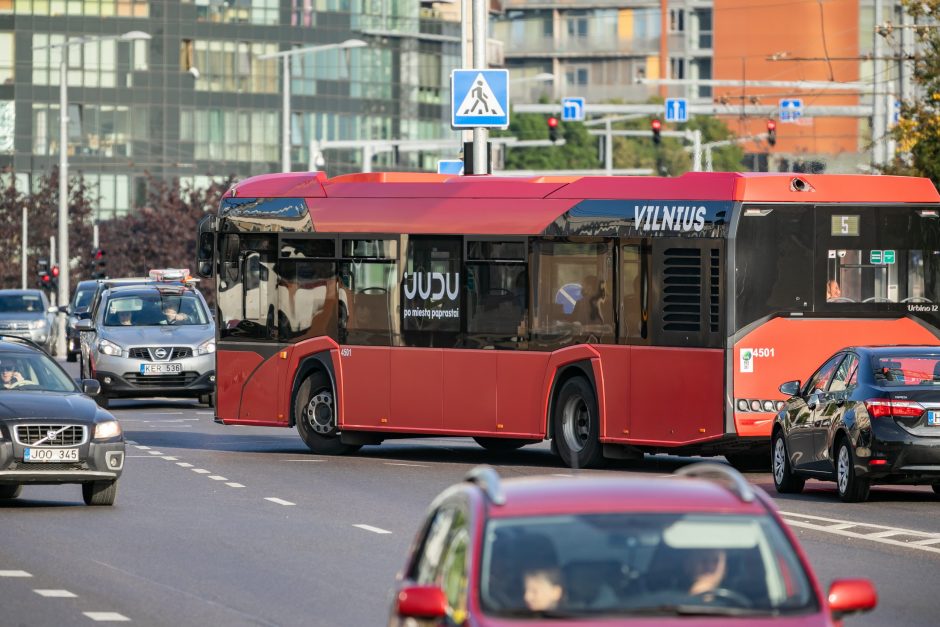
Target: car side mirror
91,387
849,596
790,388
63,309
53,310
85,325
421,602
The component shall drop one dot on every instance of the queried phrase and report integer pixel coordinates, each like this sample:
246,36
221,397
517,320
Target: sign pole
480,134
23,244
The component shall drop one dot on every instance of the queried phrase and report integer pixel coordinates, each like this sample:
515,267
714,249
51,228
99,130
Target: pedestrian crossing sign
480,98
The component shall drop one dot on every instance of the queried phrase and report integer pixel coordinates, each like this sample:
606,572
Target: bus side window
369,292
575,298
497,293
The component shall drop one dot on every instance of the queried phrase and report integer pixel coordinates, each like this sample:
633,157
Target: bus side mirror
205,255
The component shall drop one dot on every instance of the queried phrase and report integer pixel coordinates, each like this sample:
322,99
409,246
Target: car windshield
909,369
641,564
83,298
32,372
154,309
20,303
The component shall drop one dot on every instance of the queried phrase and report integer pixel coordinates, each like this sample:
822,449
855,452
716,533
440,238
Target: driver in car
10,377
707,570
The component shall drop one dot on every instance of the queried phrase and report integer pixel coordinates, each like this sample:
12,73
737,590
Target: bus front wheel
576,425
315,414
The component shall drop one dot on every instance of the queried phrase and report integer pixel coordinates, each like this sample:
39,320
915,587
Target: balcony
596,46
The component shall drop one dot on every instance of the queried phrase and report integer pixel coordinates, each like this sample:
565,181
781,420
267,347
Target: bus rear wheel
315,414
576,425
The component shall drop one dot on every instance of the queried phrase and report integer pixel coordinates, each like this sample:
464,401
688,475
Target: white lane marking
232,484
274,499
165,413
561,474
409,465
201,471
141,456
14,573
107,617
131,442
304,460
56,594
156,453
170,458
143,448
184,465
217,478
378,530
865,531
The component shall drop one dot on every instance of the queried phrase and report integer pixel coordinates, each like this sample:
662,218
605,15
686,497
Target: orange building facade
811,41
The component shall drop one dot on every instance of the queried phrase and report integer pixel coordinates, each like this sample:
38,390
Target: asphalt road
222,525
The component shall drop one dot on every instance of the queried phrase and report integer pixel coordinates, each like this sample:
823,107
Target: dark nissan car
869,414
51,432
77,310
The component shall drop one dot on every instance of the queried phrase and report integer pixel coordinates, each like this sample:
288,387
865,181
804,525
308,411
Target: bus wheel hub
319,413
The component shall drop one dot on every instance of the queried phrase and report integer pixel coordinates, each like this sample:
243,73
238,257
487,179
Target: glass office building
196,100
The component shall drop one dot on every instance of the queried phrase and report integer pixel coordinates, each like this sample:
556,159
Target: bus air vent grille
682,289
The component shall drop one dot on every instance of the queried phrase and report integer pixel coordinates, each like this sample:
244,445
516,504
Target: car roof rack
20,340
488,479
726,475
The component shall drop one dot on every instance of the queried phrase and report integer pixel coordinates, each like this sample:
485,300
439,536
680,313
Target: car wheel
750,462
99,492
315,415
501,444
103,400
71,357
207,399
852,489
785,480
576,425
10,491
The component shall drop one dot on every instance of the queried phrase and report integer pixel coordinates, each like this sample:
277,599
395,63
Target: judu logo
432,285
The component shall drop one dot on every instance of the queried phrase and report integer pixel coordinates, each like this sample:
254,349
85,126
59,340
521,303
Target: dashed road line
882,534
14,573
278,501
155,452
184,464
141,447
233,484
55,594
107,617
170,458
202,471
377,530
217,478
403,464
304,460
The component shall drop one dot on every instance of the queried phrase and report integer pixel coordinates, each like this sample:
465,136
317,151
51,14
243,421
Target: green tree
579,151
918,130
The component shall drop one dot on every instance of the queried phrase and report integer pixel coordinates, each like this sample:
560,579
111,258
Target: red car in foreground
702,549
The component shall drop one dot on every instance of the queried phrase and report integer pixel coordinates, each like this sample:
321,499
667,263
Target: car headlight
107,429
206,348
37,324
109,348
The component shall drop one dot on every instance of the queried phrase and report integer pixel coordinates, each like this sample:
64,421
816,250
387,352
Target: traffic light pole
23,244
63,256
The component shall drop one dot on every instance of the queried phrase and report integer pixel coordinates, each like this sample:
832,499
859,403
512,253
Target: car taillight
882,408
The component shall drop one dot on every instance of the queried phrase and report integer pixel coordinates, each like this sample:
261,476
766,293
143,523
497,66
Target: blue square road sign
572,109
677,110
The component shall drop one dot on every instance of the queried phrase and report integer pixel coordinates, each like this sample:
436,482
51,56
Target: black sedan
51,432
869,414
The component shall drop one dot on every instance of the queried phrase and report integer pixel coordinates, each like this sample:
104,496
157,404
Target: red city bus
614,316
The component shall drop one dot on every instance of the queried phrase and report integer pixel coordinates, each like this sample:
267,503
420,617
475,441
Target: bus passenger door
633,319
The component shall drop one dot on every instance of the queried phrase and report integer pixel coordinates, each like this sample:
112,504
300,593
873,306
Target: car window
819,382
21,303
907,369
432,548
32,372
83,298
846,374
153,309
633,564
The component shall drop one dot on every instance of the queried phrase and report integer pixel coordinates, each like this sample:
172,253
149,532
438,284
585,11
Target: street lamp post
285,96
63,227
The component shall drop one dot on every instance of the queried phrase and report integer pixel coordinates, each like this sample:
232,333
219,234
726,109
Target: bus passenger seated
833,291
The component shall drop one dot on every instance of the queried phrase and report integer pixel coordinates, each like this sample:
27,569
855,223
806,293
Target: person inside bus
589,308
833,291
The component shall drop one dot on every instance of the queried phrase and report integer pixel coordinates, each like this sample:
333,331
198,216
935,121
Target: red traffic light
99,254
55,271
552,122
771,125
46,278
656,125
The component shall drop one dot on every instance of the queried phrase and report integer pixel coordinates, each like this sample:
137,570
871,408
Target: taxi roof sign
170,274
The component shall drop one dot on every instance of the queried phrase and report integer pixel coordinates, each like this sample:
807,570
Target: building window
7,125
577,76
7,58
265,12
676,20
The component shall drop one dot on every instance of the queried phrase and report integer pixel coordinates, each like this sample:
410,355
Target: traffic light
553,129
96,266
42,274
54,278
657,126
771,133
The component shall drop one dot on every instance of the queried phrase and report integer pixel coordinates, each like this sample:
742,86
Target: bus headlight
206,348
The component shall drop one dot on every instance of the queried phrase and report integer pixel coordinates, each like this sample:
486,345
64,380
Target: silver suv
27,314
150,340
